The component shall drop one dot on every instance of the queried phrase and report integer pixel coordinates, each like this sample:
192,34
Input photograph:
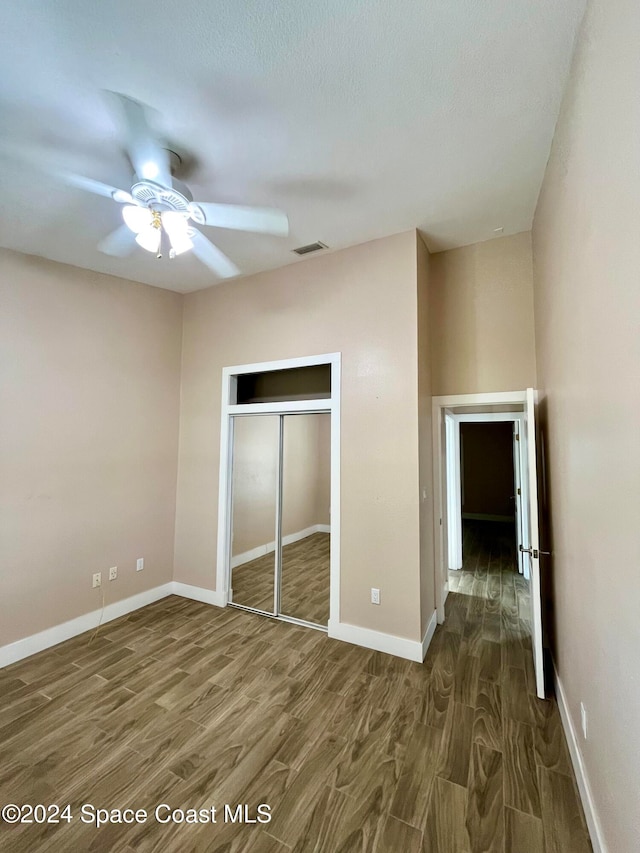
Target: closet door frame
230,409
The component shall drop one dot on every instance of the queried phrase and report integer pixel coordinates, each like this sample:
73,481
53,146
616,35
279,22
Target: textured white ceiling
360,118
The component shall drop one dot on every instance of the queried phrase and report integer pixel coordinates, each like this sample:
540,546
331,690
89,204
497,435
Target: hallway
504,746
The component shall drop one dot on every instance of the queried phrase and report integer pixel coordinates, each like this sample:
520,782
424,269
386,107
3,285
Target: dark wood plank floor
193,706
305,580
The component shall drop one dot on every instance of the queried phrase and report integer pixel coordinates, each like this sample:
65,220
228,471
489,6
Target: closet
280,515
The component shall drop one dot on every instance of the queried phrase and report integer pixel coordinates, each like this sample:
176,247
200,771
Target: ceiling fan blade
212,257
263,220
97,187
119,243
44,162
149,159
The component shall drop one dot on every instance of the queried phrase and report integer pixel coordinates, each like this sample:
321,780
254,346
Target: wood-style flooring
192,706
305,580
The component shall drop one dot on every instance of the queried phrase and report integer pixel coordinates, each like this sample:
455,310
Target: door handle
535,553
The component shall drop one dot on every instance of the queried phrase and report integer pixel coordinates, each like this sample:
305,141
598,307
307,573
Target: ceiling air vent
312,247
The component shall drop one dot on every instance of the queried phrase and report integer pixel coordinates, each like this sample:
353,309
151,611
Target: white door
533,550
517,494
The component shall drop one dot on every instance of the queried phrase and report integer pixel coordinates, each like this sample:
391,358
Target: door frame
229,409
453,477
442,405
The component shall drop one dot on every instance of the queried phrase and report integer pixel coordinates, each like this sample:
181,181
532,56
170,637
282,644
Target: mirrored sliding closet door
280,515
254,496
306,497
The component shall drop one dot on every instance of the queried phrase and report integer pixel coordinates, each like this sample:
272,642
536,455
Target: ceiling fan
158,210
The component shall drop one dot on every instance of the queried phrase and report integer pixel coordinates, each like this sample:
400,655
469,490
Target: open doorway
485,489
484,479
490,516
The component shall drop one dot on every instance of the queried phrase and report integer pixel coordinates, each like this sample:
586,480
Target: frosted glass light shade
136,218
176,226
149,239
180,243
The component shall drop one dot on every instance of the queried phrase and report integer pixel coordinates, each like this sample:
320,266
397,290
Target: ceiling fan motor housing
157,197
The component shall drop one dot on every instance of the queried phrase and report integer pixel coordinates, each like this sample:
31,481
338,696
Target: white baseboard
59,633
429,632
378,641
481,516
270,547
198,593
253,554
588,804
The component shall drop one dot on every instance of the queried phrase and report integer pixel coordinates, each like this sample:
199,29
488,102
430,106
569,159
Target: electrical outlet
583,719
113,573
139,564
97,580
375,595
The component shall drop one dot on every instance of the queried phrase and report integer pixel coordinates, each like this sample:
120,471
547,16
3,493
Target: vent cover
312,247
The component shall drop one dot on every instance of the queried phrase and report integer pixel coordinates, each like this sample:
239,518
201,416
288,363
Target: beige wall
487,468
306,477
90,376
361,302
482,336
425,448
586,249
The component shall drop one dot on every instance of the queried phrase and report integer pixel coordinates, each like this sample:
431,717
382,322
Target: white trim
198,593
586,796
388,643
454,491
534,542
283,407
481,516
252,554
336,515
516,429
283,364
289,539
490,399
440,540
440,514
224,488
28,646
429,632
486,417
455,477
401,647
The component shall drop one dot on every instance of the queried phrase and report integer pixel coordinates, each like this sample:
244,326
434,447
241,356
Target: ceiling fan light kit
148,223
160,209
